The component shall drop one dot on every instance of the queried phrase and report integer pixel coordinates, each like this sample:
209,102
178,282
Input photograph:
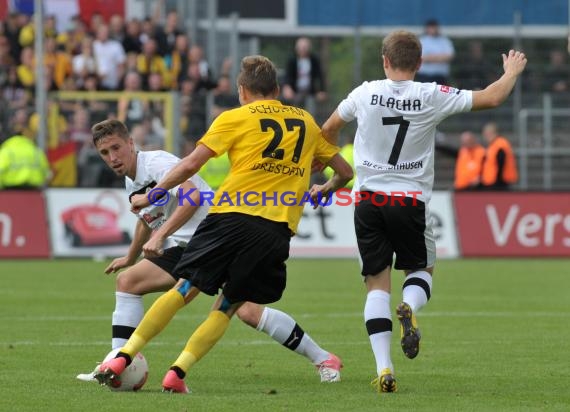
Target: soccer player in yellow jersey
241,247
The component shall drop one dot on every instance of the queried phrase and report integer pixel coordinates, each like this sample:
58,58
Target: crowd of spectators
156,55
99,55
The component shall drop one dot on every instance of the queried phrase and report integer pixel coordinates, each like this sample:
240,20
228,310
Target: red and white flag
65,9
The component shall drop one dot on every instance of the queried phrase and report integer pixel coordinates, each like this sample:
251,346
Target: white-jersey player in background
394,152
169,227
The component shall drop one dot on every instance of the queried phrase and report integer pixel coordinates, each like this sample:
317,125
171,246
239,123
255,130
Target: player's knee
249,315
125,282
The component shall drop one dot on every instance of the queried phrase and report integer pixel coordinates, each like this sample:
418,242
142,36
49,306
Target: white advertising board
443,224
329,231
325,232
98,223
89,222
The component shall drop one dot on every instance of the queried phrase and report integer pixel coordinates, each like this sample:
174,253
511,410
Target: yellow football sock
203,339
154,321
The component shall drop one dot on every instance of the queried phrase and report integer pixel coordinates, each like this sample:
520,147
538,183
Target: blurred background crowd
153,66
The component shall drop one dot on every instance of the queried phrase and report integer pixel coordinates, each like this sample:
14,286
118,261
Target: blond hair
403,49
258,75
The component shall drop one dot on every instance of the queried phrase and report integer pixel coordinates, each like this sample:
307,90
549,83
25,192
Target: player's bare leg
287,332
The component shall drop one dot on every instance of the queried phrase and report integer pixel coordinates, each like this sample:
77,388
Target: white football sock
129,311
378,319
417,289
283,328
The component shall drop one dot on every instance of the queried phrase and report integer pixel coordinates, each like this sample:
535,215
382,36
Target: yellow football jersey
271,148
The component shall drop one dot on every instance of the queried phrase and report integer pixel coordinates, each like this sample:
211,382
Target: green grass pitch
495,338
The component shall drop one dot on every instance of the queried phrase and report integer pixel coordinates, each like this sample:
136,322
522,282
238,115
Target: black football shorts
241,254
396,226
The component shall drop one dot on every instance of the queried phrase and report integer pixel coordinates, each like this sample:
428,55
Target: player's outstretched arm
187,167
332,127
183,171
343,174
183,212
497,92
142,234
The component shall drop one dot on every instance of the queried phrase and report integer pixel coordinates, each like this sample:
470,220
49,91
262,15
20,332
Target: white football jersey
152,166
394,142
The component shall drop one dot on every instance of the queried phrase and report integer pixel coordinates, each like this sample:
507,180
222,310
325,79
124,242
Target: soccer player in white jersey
394,163
169,227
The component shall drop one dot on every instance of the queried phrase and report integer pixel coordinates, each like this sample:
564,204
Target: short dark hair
109,127
258,75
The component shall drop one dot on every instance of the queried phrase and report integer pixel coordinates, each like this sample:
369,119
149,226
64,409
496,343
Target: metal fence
544,147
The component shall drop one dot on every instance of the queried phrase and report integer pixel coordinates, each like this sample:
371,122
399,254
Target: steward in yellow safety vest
22,164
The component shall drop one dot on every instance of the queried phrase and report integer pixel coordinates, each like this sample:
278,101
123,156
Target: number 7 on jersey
400,136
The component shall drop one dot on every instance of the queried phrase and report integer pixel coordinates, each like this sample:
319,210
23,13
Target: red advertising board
104,7
3,9
23,225
85,8
513,224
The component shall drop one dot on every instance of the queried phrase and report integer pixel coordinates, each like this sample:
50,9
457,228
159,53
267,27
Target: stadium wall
415,12
97,223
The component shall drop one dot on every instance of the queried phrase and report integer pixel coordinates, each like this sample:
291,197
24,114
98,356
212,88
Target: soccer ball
132,378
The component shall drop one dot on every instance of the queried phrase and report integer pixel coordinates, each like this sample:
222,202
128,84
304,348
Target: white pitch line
234,342
555,314
458,314
227,342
